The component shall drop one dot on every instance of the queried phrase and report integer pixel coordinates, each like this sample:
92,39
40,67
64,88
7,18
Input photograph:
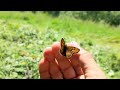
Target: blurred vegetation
111,17
25,35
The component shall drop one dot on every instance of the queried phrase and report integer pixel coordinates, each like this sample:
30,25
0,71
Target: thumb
83,55
87,63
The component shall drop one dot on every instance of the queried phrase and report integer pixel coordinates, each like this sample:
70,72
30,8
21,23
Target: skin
79,66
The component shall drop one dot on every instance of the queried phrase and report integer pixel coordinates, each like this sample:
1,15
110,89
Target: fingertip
56,45
44,69
46,51
40,62
43,66
43,63
56,49
73,43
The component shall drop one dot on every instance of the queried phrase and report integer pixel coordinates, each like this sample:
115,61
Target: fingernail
73,43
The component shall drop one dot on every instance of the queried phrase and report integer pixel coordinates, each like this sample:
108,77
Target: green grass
24,36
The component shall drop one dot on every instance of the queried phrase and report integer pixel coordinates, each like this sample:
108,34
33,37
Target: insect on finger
68,51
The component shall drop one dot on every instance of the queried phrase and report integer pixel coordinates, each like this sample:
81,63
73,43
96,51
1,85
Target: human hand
79,66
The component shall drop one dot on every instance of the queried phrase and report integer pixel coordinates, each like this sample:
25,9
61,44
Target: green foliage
111,17
25,35
53,13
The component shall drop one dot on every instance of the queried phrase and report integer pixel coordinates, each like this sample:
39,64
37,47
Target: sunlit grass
24,36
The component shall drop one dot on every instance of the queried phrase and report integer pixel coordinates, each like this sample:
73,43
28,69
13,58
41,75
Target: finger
63,62
88,64
82,59
53,69
75,60
44,69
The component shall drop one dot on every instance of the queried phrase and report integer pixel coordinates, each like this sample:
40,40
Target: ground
24,36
